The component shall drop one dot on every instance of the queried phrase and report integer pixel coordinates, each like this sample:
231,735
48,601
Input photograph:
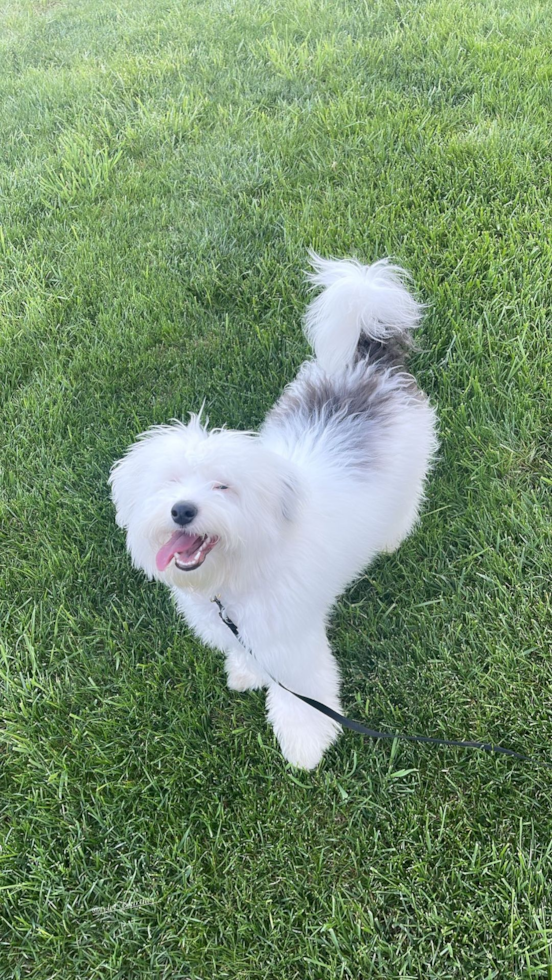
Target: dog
276,524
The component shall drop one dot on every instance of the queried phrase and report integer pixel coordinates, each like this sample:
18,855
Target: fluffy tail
357,300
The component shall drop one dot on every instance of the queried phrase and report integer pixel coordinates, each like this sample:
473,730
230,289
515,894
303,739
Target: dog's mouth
188,550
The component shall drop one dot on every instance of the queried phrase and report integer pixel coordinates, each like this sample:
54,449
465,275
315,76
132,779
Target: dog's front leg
203,617
303,732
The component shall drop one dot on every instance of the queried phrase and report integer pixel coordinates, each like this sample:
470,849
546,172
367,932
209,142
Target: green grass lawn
164,166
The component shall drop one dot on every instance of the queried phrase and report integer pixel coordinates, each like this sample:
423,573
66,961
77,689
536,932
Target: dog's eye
220,486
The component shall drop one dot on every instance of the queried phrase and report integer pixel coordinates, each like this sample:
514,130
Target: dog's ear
290,496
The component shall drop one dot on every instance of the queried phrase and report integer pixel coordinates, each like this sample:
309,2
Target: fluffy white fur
334,477
369,299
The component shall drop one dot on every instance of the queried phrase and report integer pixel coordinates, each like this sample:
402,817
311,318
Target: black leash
356,726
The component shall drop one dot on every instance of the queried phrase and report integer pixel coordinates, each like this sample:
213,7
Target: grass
165,165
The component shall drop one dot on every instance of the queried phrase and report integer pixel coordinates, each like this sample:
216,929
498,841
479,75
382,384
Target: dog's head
200,507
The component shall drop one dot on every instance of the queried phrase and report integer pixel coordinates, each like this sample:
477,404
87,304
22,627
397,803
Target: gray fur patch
390,354
355,406
324,399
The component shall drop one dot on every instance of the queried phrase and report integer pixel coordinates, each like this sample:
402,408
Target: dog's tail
357,301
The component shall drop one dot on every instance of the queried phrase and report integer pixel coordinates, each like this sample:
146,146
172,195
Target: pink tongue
179,542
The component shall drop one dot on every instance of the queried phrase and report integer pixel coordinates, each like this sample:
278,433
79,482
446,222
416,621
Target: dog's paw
239,676
303,733
305,752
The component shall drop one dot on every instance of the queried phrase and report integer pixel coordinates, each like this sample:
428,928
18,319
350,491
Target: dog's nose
183,512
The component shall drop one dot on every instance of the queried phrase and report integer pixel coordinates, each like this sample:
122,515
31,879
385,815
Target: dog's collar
356,726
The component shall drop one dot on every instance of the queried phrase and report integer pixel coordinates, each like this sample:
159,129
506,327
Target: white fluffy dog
278,523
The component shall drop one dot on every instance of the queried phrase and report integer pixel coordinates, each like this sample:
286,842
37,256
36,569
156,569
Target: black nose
183,513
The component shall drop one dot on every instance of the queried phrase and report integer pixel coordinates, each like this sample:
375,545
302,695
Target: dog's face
198,506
